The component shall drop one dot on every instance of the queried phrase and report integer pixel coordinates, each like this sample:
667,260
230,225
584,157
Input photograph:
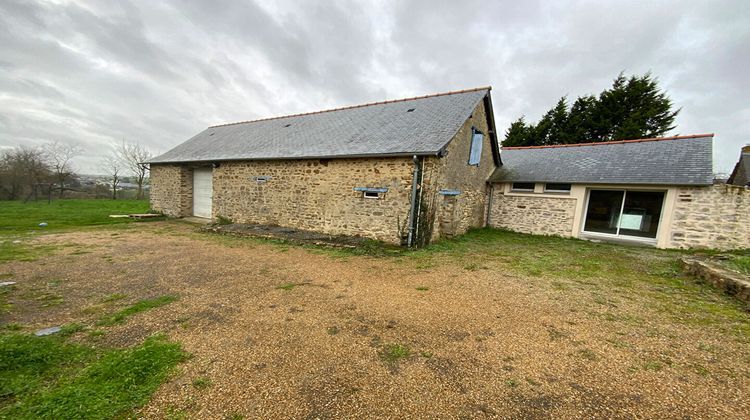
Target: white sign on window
631,221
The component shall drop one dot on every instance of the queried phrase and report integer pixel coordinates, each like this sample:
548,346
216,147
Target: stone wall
454,215
172,190
529,214
717,274
317,195
711,217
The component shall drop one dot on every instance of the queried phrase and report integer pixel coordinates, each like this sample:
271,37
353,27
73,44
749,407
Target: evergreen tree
518,134
558,122
632,108
582,121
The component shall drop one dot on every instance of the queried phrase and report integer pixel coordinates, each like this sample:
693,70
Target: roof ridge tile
605,143
454,92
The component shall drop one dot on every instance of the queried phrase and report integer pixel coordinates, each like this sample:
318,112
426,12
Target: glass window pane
641,213
557,187
476,148
603,211
522,186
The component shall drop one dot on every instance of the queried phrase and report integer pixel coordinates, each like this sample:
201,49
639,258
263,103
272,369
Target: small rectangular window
557,188
261,179
371,194
475,155
522,186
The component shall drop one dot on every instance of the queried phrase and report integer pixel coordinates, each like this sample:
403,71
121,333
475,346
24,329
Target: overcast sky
158,72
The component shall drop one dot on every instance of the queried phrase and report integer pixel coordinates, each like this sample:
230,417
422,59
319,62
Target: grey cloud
120,38
158,72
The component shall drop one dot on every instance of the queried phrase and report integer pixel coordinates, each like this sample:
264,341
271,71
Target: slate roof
741,173
681,160
376,129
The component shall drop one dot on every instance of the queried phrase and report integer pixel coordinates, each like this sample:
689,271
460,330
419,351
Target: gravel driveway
280,331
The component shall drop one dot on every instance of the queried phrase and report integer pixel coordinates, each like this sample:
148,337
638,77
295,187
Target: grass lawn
740,263
18,217
47,377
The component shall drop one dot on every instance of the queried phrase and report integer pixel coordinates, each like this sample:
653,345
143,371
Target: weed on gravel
10,250
140,306
5,306
45,298
114,297
392,353
202,383
13,327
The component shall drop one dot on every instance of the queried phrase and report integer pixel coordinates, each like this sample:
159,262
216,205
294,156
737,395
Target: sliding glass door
624,212
603,213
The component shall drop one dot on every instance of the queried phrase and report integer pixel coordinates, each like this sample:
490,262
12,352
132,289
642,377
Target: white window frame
637,239
514,189
547,190
368,195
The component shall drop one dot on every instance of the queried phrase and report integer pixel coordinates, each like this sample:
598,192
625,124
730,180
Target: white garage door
203,190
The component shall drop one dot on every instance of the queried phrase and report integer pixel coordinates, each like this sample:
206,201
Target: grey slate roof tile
379,129
741,172
685,160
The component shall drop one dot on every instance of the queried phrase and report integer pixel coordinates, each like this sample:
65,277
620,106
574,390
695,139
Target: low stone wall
732,283
716,217
527,214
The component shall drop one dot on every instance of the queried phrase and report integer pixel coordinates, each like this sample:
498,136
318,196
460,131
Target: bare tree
60,156
112,166
133,156
23,170
11,179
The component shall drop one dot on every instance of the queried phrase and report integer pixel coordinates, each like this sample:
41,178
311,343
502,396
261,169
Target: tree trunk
139,180
62,185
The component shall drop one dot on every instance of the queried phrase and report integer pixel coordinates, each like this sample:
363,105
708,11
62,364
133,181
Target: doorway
448,216
624,213
202,192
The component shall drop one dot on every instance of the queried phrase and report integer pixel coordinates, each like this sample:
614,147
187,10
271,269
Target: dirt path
481,343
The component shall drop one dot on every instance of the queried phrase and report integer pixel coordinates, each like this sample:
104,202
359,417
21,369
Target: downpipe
413,213
488,219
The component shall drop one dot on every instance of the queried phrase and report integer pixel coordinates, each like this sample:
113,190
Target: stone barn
405,171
